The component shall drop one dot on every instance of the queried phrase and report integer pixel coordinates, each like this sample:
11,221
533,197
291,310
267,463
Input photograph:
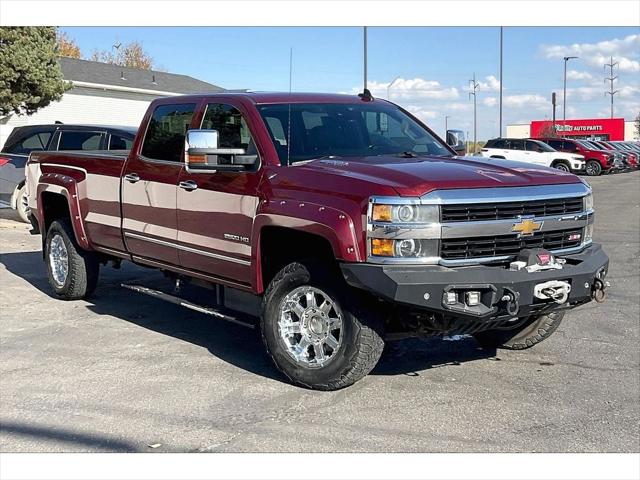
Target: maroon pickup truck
343,219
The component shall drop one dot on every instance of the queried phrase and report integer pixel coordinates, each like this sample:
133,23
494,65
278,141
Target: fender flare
67,186
335,226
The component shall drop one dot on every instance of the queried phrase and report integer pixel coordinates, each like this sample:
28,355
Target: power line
474,88
611,79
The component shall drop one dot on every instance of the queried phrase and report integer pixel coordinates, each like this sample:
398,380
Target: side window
34,142
77,140
167,128
517,144
231,126
532,146
570,147
498,144
557,144
117,142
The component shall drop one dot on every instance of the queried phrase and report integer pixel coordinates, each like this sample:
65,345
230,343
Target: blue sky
434,65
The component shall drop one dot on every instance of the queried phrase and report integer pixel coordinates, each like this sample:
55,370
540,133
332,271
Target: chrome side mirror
455,139
202,154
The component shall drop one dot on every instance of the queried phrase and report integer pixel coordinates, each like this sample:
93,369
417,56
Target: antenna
289,114
611,79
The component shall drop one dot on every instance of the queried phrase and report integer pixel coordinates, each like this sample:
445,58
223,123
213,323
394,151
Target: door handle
132,177
189,185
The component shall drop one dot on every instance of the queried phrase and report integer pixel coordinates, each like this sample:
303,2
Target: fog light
588,233
451,298
472,298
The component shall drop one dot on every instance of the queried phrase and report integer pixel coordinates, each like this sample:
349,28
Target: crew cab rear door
150,181
216,210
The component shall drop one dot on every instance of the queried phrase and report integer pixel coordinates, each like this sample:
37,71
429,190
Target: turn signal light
382,247
382,213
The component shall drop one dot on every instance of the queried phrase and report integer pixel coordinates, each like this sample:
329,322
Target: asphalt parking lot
124,372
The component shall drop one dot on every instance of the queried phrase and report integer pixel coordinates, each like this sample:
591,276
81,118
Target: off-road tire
360,347
83,266
21,208
534,331
593,168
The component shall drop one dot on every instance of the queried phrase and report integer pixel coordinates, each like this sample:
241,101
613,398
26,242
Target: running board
184,303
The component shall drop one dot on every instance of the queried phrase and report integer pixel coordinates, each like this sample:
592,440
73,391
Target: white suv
533,151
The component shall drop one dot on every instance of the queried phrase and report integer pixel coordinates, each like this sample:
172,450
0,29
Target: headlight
404,248
404,213
588,202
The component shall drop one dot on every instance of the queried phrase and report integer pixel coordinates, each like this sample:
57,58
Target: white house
106,94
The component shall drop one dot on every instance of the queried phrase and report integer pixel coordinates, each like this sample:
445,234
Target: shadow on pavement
80,440
232,343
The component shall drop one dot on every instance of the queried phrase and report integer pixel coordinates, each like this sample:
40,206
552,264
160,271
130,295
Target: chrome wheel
58,260
562,167
310,325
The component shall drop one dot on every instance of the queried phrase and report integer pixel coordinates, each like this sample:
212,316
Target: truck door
149,184
216,210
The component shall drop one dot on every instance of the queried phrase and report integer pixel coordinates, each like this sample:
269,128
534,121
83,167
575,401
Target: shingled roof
107,74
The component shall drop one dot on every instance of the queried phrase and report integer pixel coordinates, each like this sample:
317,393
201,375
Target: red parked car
631,158
597,160
344,220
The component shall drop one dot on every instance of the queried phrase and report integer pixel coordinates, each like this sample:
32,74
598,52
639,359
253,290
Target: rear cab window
164,138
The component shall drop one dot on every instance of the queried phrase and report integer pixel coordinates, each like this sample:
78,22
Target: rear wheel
534,331
72,272
593,168
317,337
22,205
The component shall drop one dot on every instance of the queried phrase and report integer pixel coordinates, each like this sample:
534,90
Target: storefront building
594,128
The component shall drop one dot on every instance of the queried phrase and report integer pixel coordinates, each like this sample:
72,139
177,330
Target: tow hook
599,292
511,298
555,290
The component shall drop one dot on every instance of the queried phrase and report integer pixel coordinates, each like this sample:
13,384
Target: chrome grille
507,245
501,211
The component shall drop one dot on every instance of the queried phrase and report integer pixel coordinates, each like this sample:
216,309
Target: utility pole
365,58
564,91
611,79
473,85
500,126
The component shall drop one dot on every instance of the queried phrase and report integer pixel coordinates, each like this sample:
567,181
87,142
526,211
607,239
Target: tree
130,55
549,131
67,46
30,77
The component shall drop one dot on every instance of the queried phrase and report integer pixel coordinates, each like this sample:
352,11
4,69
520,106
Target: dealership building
590,128
106,94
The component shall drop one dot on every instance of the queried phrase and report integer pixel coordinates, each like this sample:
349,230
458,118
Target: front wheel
594,168
318,338
534,331
73,272
563,167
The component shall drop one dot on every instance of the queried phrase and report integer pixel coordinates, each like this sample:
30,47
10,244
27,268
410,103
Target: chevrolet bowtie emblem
526,227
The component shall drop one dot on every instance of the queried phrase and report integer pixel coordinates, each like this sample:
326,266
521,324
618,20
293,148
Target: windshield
346,130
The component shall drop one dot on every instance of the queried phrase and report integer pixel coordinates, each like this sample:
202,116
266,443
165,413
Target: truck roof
285,97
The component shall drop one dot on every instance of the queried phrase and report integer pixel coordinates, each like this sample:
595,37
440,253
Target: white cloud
490,101
625,51
576,75
492,84
412,89
525,100
422,113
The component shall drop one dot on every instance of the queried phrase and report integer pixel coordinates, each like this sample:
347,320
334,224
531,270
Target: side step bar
217,313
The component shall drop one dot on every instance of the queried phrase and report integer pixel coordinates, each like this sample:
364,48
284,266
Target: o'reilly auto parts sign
604,128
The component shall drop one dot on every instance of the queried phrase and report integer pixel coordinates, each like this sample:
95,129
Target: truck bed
98,174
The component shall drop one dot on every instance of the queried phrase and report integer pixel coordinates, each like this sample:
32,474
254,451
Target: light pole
500,127
391,84
474,87
564,91
446,125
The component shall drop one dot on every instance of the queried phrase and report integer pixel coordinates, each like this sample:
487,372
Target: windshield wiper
408,154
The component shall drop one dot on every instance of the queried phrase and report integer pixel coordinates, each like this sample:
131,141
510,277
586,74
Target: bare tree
131,55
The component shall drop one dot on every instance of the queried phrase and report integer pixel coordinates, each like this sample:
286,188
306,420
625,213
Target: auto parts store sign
610,128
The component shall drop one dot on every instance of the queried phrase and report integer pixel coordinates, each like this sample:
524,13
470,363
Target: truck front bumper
427,287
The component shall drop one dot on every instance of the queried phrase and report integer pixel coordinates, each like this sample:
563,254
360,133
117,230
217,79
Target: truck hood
418,176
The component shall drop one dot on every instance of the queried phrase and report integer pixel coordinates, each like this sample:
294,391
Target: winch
556,290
